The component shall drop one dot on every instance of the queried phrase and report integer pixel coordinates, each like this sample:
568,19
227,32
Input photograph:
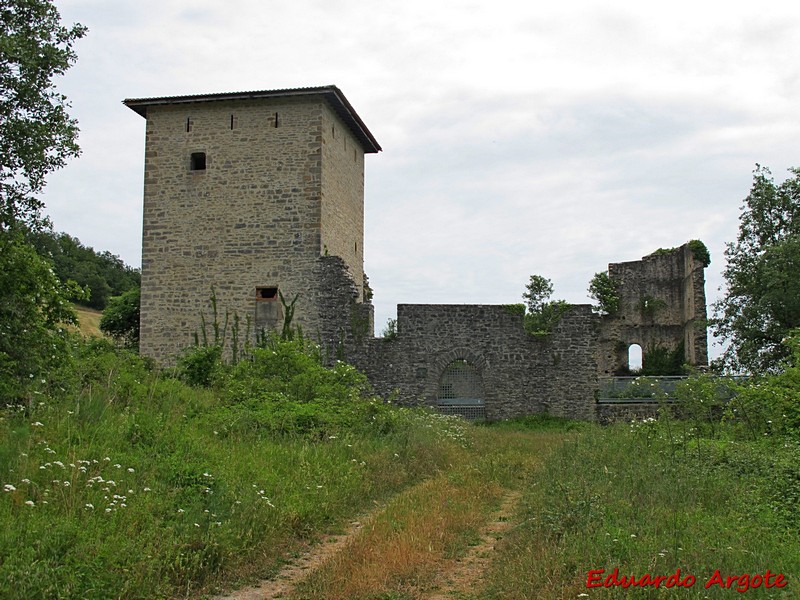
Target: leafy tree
37,135
33,305
762,301
103,274
121,318
605,290
543,314
537,293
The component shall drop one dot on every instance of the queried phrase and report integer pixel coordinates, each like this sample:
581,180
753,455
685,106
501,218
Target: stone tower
245,193
662,308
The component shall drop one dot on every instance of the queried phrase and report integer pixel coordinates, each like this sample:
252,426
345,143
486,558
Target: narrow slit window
189,124
276,120
198,161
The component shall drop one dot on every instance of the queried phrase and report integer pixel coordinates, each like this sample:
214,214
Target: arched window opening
461,391
634,358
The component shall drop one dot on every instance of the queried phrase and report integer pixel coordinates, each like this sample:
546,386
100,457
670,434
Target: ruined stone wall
521,374
250,219
661,305
347,319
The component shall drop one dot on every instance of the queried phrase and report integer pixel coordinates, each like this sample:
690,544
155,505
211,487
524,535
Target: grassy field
89,321
118,482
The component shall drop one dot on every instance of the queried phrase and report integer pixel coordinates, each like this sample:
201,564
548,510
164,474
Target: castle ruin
260,196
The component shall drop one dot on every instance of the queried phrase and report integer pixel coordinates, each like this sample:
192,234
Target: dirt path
290,575
456,577
462,576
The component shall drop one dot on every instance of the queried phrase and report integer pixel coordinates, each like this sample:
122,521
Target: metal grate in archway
461,391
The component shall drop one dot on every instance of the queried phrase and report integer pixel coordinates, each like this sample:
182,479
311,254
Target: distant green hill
104,274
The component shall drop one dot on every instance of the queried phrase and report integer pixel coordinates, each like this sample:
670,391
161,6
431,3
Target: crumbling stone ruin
260,197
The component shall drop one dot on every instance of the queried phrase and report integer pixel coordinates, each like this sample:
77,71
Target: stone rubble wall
674,282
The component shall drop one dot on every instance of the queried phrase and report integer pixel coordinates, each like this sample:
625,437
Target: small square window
198,161
266,293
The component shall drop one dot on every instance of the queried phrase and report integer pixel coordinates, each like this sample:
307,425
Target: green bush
34,308
283,387
120,319
201,365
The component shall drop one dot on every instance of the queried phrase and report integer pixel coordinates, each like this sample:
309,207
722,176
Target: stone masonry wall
251,219
662,304
342,195
522,374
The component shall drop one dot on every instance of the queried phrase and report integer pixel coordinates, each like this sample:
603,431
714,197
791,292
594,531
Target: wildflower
38,424
9,488
130,469
147,489
181,511
26,481
89,505
29,503
66,484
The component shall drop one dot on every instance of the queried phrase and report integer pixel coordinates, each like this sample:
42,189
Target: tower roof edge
332,94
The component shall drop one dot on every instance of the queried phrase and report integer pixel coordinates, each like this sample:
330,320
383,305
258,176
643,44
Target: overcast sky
518,137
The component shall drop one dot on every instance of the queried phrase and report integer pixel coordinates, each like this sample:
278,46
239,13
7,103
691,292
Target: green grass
121,483
89,321
639,499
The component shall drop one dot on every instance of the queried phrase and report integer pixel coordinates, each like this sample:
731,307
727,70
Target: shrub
121,318
201,365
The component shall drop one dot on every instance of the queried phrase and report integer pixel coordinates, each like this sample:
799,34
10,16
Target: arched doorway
460,391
